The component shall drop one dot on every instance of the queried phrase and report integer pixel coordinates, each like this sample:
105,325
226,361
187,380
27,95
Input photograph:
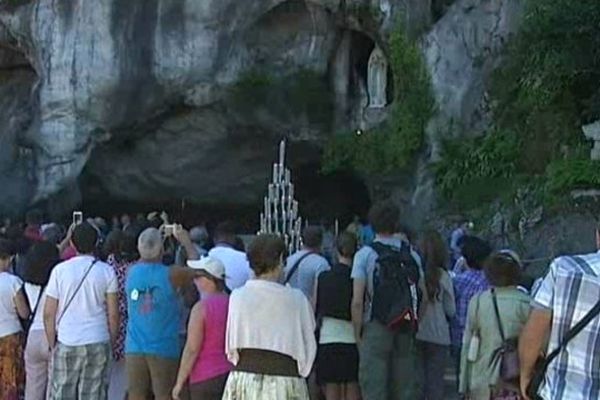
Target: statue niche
377,79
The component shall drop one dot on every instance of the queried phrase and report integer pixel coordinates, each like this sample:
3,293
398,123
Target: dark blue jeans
433,362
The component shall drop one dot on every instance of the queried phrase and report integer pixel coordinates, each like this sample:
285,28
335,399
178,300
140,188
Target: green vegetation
303,93
395,144
547,88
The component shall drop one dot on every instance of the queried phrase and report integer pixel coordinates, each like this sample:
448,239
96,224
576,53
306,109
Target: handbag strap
497,312
295,267
574,331
37,303
76,291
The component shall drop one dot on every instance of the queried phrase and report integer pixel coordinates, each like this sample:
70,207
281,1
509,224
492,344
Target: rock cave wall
137,100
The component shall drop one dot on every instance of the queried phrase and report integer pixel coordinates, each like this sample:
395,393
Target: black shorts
337,363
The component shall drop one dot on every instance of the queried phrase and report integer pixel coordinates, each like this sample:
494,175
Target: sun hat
209,265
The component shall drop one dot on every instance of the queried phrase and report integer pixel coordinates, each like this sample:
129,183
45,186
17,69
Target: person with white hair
153,344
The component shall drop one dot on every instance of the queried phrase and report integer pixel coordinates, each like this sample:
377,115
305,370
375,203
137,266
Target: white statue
377,79
592,132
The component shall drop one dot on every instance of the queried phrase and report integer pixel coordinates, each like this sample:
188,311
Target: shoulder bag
295,267
542,364
508,352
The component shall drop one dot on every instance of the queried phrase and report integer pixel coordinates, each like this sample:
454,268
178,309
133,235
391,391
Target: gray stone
138,93
461,50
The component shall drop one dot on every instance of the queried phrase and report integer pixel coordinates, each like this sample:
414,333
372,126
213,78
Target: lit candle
291,190
271,192
275,172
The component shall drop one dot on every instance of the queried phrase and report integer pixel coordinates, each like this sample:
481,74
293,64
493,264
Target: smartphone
77,217
169,230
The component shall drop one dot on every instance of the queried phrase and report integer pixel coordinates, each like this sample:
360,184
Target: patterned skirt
248,386
12,371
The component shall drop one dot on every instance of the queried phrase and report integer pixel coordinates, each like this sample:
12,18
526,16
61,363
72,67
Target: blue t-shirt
154,312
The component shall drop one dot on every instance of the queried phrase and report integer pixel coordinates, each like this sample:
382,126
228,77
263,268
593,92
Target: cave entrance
327,197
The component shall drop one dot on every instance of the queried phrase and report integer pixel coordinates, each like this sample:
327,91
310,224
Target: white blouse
269,316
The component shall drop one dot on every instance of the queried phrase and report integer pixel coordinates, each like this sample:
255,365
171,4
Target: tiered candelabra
280,214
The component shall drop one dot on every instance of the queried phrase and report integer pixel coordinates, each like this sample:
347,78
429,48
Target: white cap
210,265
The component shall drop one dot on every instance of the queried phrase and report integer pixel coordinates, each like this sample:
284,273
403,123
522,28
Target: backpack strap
295,267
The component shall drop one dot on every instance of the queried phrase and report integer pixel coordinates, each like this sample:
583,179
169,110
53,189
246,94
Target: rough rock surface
461,51
136,94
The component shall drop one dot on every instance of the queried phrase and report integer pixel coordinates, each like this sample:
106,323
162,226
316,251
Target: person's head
39,261
435,256
239,244
52,233
150,245
199,235
210,277
384,218
312,237
346,245
265,254
112,244
125,220
84,238
34,217
502,269
7,252
225,233
475,251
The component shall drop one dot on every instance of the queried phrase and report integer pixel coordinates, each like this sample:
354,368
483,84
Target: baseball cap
211,266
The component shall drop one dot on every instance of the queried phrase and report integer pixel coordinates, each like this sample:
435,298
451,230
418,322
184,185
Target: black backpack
396,294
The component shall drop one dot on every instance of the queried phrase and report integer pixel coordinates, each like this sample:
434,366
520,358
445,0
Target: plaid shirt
466,285
570,289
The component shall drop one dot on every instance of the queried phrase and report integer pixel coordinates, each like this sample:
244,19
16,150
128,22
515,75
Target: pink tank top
212,361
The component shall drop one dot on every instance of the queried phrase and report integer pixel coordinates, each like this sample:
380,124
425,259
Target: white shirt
336,331
9,319
85,321
33,293
237,267
269,316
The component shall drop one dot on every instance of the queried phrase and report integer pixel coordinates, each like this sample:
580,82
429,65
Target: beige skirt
249,386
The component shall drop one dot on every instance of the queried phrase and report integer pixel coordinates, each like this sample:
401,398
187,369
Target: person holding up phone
153,343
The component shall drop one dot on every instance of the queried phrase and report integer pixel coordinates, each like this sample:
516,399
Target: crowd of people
145,309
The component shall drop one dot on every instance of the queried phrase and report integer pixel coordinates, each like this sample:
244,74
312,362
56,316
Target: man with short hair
81,320
237,268
153,344
387,366
568,292
302,268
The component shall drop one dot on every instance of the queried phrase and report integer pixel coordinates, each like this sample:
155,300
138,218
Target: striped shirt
570,289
